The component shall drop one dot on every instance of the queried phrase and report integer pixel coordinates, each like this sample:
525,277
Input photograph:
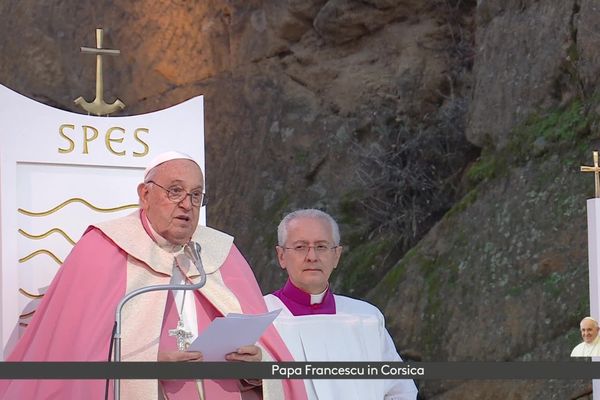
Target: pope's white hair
590,319
307,213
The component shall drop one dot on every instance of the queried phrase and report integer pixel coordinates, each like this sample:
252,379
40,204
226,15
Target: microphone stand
192,250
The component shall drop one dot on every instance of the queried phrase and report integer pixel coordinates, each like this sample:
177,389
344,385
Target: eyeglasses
177,194
302,249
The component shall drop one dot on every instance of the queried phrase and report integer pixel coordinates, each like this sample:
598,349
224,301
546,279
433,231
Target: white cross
182,336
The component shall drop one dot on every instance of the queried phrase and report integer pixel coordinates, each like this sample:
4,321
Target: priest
590,347
75,319
318,325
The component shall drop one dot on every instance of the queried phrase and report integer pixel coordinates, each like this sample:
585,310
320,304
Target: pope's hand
245,353
180,356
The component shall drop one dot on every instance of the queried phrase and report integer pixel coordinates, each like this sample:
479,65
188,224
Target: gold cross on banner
98,106
596,170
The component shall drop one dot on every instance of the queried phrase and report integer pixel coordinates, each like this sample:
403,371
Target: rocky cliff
445,135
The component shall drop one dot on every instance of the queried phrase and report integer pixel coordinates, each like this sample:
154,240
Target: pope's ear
142,191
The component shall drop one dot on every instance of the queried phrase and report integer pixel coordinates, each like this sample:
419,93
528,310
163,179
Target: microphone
192,250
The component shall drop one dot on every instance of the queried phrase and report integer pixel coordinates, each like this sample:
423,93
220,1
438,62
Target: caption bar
300,370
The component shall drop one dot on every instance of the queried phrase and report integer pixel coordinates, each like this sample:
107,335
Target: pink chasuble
75,318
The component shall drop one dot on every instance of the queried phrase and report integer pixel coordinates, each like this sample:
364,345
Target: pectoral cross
596,170
182,336
98,106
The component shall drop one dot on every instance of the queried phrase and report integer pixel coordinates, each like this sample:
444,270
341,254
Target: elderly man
320,326
75,319
590,347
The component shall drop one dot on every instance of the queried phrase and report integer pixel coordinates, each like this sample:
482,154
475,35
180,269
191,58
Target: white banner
61,171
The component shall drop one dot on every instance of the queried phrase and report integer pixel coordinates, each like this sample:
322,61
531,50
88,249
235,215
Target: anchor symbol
98,106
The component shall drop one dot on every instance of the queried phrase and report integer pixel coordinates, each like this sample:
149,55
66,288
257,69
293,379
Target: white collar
318,298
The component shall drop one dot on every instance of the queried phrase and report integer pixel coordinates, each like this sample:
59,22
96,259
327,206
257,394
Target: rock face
507,261
295,93
363,108
522,63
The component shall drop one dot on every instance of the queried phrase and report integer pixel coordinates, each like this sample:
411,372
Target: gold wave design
46,234
75,200
26,315
41,251
30,295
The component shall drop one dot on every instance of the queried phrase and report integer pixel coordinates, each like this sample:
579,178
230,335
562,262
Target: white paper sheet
227,334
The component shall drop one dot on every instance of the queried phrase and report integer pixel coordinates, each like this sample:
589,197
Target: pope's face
176,222
309,270
589,330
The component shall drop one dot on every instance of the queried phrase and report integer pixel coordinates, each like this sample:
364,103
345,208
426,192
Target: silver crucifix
182,336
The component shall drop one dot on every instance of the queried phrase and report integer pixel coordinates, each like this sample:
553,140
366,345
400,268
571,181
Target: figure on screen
590,347
148,247
320,326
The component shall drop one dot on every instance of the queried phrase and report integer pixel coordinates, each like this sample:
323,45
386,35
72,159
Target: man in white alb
317,325
590,347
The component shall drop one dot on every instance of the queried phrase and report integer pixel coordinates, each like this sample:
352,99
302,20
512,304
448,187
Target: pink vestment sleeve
238,277
74,320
